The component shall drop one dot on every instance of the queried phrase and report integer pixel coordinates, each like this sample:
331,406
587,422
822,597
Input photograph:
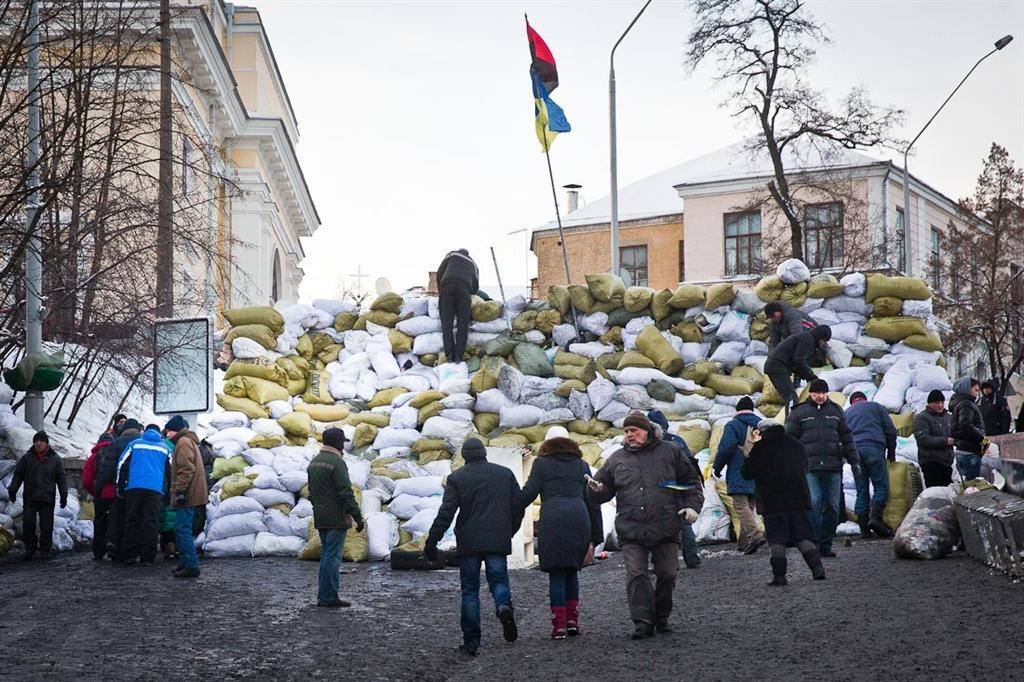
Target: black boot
876,524
813,559
865,528
778,571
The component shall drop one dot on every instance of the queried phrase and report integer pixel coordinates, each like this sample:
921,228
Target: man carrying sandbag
820,426
648,516
457,279
335,510
733,449
486,497
41,470
792,356
784,321
874,434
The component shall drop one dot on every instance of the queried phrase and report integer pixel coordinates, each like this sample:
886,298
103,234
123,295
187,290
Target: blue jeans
875,471
968,464
469,575
688,541
333,541
826,500
563,586
183,536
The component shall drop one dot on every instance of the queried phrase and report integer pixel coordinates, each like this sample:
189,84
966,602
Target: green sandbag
525,321
256,314
697,438
558,299
259,391
400,342
566,388
343,322
261,368
260,333
719,295
501,345
795,294
372,418
532,360
887,306
425,444
297,424
486,377
485,311
385,396
546,321
225,467
565,358
660,304
729,385
759,328
585,374
594,427
612,337
927,342
609,360
389,303
651,343
900,287
750,374
424,398
304,347
689,332
383,318
249,408
606,287
317,391
769,288
699,371
364,435
634,358
606,306
620,317
687,296
894,329
659,389
637,298
330,354
582,299
233,485
824,286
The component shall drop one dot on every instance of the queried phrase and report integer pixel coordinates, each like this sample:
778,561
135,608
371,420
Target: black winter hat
745,404
857,395
473,450
41,436
819,386
335,438
176,423
822,332
936,396
637,420
131,424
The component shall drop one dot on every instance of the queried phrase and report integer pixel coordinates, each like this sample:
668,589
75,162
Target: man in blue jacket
874,434
143,477
687,538
730,457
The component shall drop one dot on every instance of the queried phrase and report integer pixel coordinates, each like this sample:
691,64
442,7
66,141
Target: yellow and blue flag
549,117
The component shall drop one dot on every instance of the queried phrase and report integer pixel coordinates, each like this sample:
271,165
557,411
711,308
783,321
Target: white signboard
182,366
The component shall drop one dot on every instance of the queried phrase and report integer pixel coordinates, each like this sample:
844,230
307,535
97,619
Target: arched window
275,282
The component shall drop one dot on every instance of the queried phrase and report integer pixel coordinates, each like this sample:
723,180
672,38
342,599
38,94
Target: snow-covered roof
656,195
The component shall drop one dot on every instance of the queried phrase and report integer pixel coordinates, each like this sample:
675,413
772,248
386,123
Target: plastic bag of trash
930,529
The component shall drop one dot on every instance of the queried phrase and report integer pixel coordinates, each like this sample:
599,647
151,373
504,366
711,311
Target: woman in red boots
570,526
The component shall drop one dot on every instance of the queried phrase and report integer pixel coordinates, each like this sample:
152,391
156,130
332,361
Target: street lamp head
1003,42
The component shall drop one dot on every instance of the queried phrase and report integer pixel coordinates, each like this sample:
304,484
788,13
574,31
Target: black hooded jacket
794,352
778,466
458,268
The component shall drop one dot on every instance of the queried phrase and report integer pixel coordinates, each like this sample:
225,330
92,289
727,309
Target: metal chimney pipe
573,194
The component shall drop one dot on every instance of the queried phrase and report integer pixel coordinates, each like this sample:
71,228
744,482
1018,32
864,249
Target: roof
656,195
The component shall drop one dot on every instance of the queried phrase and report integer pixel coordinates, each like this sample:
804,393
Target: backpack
748,441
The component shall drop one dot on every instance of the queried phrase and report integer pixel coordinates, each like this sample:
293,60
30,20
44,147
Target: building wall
588,248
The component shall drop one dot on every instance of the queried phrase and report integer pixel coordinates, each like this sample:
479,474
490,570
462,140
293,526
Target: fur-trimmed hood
556,446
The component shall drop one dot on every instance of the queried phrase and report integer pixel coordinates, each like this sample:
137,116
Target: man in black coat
457,279
41,470
995,411
793,356
820,426
486,496
106,472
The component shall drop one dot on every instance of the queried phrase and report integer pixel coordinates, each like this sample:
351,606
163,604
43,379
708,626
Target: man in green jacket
334,512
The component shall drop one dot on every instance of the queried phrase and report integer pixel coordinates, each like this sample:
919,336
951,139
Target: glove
688,515
856,470
891,456
430,551
179,499
63,504
360,525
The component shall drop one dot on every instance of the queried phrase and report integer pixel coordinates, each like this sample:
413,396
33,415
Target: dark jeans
44,510
647,604
496,571
183,536
100,524
142,524
688,541
333,541
969,465
115,528
826,502
454,306
563,586
782,378
936,474
875,471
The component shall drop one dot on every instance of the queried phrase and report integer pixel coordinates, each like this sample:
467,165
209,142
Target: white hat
556,432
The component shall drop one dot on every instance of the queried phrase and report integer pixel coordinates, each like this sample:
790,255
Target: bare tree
762,49
980,265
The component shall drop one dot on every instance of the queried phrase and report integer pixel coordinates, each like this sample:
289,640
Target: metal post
165,189
33,255
501,288
613,147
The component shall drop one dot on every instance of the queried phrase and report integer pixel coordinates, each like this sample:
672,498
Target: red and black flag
549,119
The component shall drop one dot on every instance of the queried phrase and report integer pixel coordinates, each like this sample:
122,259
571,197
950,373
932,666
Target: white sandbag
405,506
479,339
419,486
268,497
227,420
848,304
421,523
811,304
825,316
729,354
457,414
381,535
922,309
233,505
866,347
868,388
595,323
755,347
303,508
692,351
247,349
846,332
333,307
592,350
406,417
510,382
838,379
268,480
894,386
708,321
451,371
535,337
854,284
235,546
579,405
497,326
415,305
384,365
226,449
713,522
685,404
239,434
852,317
439,427
358,470
389,437
492,400
267,427
463,401
613,411
838,354
429,343
792,271
747,301
735,326
931,378
930,529
634,397
563,334
300,314
641,376
560,415
279,408
277,522
232,525
915,356
269,544
294,480
520,416
600,391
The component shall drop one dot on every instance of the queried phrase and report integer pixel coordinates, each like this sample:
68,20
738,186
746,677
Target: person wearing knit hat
733,448
486,497
41,470
933,432
874,434
175,424
745,404
793,356
657,488
820,425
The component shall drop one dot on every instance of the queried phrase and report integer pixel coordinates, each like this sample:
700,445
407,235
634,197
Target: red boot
572,617
558,622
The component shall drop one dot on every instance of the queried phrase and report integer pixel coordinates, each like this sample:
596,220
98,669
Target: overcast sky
416,118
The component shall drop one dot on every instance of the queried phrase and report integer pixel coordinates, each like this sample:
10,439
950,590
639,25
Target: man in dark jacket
40,470
106,475
687,538
103,497
334,511
457,279
874,434
793,356
143,479
933,430
995,411
730,456
188,492
649,516
486,497
819,424
778,466
968,428
784,321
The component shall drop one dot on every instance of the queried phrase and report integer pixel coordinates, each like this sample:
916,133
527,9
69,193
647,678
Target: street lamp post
613,150
999,44
33,254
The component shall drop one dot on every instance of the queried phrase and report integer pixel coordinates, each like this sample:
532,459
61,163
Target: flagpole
558,215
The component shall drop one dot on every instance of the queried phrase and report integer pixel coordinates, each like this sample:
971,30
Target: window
275,278
682,261
742,243
823,224
936,260
634,263
901,248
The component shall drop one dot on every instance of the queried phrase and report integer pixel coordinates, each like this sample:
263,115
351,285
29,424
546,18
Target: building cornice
257,29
